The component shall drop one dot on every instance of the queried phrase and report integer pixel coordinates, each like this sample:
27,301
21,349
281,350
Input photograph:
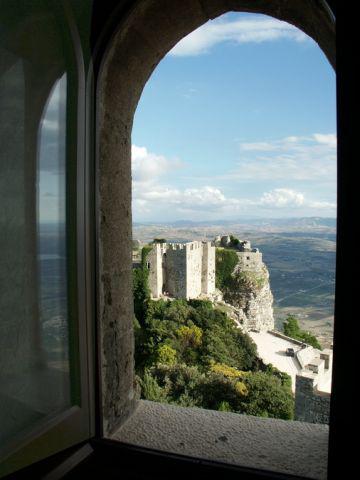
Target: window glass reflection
34,325
51,209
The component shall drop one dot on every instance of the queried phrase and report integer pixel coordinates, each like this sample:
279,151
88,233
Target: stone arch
149,31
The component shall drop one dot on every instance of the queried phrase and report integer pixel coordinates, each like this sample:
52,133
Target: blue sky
239,119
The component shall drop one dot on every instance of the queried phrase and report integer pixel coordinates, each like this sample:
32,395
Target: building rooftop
272,349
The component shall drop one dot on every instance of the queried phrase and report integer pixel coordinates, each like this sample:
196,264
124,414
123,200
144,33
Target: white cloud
282,197
287,198
311,158
255,30
148,167
322,205
156,197
197,198
326,139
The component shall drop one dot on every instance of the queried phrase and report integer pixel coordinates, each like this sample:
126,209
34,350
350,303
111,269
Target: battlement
181,270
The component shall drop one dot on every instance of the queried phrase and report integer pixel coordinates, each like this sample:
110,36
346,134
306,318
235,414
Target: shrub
228,372
189,353
166,355
150,389
190,336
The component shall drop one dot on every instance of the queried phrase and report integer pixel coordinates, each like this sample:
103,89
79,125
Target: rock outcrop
250,294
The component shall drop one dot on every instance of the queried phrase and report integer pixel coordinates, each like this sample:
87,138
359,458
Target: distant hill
294,222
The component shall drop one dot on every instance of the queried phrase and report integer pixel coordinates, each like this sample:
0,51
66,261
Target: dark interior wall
105,16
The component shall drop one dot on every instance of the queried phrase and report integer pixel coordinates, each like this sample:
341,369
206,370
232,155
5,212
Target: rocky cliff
248,291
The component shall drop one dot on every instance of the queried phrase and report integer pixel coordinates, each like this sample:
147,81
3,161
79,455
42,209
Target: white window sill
269,444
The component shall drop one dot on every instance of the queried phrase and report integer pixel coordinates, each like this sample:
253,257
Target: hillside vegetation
189,353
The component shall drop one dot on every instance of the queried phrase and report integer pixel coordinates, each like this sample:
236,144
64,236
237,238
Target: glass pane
52,243
34,326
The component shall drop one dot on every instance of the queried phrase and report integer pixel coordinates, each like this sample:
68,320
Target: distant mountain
295,222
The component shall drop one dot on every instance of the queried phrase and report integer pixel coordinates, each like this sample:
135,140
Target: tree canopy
189,353
292,329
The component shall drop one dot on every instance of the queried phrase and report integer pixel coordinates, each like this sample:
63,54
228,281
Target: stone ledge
288,447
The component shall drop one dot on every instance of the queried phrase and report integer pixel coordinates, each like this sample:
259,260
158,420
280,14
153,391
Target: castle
248,258
187,270
181,270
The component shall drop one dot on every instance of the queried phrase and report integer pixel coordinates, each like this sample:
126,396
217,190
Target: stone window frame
149,30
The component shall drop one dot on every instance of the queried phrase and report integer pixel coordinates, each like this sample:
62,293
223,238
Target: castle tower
181,270
154,262
208,269
175,264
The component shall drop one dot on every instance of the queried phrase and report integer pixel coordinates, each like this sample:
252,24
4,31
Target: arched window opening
276,192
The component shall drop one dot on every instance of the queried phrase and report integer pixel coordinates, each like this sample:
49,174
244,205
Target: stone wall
311,405
194,253
175,266
156,274
181,270
208,269
250,260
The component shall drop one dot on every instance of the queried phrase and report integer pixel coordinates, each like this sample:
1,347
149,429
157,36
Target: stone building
181,270
249,258
313,387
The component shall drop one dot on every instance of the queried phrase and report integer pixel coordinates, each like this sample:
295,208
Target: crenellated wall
182,270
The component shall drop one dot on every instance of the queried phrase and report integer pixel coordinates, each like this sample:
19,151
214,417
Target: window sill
288,447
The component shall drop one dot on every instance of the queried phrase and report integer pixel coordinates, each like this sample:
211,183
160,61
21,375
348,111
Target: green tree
257,393
226,261
292,329
234,242
141,293
144,253
150,389
267,397
189,353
